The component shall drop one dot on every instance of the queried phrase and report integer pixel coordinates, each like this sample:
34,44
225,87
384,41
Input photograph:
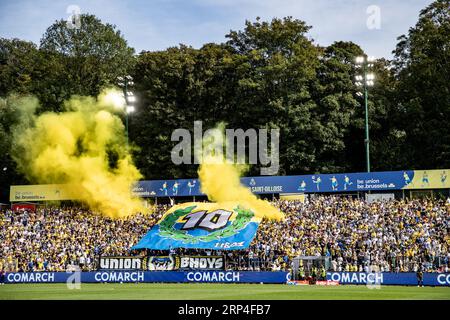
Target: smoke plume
220,178
84,146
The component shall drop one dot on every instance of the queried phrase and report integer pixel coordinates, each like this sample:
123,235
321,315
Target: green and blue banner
218,226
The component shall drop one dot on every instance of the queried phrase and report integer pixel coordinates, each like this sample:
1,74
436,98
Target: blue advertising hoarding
389,278
357,278
340,182
316,183
149,276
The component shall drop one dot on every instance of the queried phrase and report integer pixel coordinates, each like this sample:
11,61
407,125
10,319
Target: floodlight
359,59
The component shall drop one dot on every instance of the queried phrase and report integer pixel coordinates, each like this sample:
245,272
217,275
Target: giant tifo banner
389,278
150,276
202,225
341,182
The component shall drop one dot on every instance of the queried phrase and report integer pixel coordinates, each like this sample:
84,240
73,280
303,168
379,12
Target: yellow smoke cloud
83,146
220,179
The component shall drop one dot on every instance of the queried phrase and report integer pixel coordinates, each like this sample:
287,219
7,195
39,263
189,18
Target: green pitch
216,292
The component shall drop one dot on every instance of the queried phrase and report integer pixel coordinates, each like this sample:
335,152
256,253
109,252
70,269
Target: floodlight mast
365,81
125,82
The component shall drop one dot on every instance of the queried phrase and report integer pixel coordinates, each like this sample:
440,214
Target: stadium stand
394,235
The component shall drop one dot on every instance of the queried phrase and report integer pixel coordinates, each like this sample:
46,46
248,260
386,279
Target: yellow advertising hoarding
43,192
428,179
293,197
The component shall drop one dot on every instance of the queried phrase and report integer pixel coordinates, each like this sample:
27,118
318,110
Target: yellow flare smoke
220,179
83,146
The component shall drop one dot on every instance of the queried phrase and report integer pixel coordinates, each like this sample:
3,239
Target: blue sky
158,24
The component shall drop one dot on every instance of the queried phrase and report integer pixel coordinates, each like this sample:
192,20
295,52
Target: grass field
154,291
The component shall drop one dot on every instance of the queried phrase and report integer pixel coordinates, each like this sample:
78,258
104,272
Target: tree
17,65
344,113
337,120
19,62
9,117
268,75
273,88
68,62
386,136
167,100
81,60
422,61
176,87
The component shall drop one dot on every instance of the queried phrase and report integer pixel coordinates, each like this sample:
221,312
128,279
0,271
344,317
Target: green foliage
68,62
335,111
17,66
268,75
81,60
9,115
422,64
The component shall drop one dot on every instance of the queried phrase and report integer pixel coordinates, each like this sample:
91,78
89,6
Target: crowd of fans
53,239
351,233
397,236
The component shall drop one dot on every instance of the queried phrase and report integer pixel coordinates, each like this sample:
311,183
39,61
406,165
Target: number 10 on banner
214,220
